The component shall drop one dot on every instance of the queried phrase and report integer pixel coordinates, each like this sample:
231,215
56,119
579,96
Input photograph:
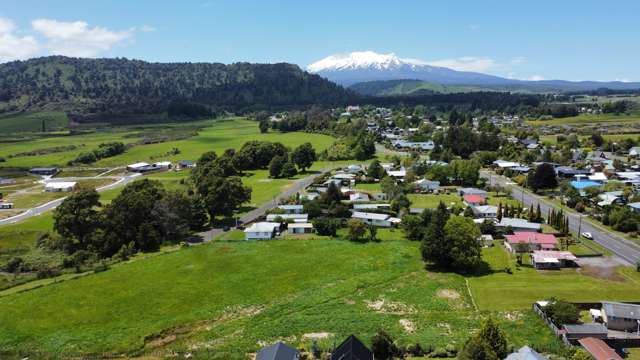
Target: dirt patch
407,325
448,294
513,316
606,273
170,335
384,306
316,336
349,302
602,261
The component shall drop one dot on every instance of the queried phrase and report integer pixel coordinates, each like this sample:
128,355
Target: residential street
621,247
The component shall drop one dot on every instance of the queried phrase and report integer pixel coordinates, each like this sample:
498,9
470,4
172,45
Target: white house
163,165
296,218
485,211
398,174
137,166
353,169
371,206
291,209
518,225
362,197
634,151
300,228
62,186
382,220
427,185
261,231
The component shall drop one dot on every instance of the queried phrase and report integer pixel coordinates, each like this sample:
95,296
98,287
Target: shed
61,186
352,349
573,333
300,228
278,351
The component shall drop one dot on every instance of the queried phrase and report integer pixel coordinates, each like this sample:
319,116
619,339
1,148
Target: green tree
382,346
375,170
477,349
263,125
413,227
356,229
543,177
304,156
77,218
276,165
562,312
326,226
373,233
491,333
400,202
222,196
581,354
433,246
288,170
461,237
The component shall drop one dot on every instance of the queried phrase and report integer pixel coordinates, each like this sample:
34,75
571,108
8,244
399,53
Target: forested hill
123,86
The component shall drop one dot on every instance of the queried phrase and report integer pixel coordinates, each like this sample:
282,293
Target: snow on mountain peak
362,60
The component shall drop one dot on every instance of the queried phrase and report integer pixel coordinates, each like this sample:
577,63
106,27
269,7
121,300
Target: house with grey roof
518,225
291,209
573,333
526,353
621,316
278,351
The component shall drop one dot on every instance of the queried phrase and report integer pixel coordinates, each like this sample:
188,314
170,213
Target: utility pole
579,226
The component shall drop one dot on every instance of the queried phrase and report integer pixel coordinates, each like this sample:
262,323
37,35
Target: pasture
585,119
232,296
33,122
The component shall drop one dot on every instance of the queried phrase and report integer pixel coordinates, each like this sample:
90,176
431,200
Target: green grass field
231,296
32,122
588,120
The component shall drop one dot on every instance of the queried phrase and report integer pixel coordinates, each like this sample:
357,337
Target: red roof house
536,241
599,349
473,200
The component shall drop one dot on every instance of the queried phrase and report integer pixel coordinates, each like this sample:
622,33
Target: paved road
254,214
618,245
53,204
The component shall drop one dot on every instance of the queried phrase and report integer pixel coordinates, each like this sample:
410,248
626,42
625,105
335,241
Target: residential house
137,166
486,240
525,353
621,316
261,231
611,198
598,349
567,172
416,211
599,177
518,225
573,333
472,191
382,220
473,200
44,171
534,240
61,186
503,164
354,169
397,174
485,211
425,185
291,209
372,206
296,218
359,197
300,228
634,152
352,349
278,351
546,260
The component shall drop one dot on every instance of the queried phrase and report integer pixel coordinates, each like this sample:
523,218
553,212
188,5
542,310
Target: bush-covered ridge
132,86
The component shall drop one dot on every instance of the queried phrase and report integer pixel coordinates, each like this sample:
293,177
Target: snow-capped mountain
361,66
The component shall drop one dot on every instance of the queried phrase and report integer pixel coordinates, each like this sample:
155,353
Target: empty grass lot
588,120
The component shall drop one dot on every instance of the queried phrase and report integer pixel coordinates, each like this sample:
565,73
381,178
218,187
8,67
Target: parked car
587,235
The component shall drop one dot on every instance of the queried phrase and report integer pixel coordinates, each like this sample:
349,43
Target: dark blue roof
277,351
352,349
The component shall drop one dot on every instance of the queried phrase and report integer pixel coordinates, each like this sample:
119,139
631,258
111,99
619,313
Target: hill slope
132,86
409,87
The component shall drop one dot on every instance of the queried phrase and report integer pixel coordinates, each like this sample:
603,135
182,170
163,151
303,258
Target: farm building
382,220
543,260
517,225
352,349
621,316
291,209
278,351
261,231
300,228
62,186
44,171
6,205
536,241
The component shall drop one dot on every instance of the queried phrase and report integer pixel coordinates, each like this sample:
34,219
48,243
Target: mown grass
526,285
32,122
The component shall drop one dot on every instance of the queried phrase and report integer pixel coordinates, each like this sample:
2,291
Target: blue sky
562,39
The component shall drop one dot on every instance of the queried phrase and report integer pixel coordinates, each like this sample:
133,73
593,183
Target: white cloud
13,46
536,78
467,63
518,60
623,80
77,38
146,28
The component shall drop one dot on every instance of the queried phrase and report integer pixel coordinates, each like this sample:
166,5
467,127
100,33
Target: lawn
431,201
232,296
527,285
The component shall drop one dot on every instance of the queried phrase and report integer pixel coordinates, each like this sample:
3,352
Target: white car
587,235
